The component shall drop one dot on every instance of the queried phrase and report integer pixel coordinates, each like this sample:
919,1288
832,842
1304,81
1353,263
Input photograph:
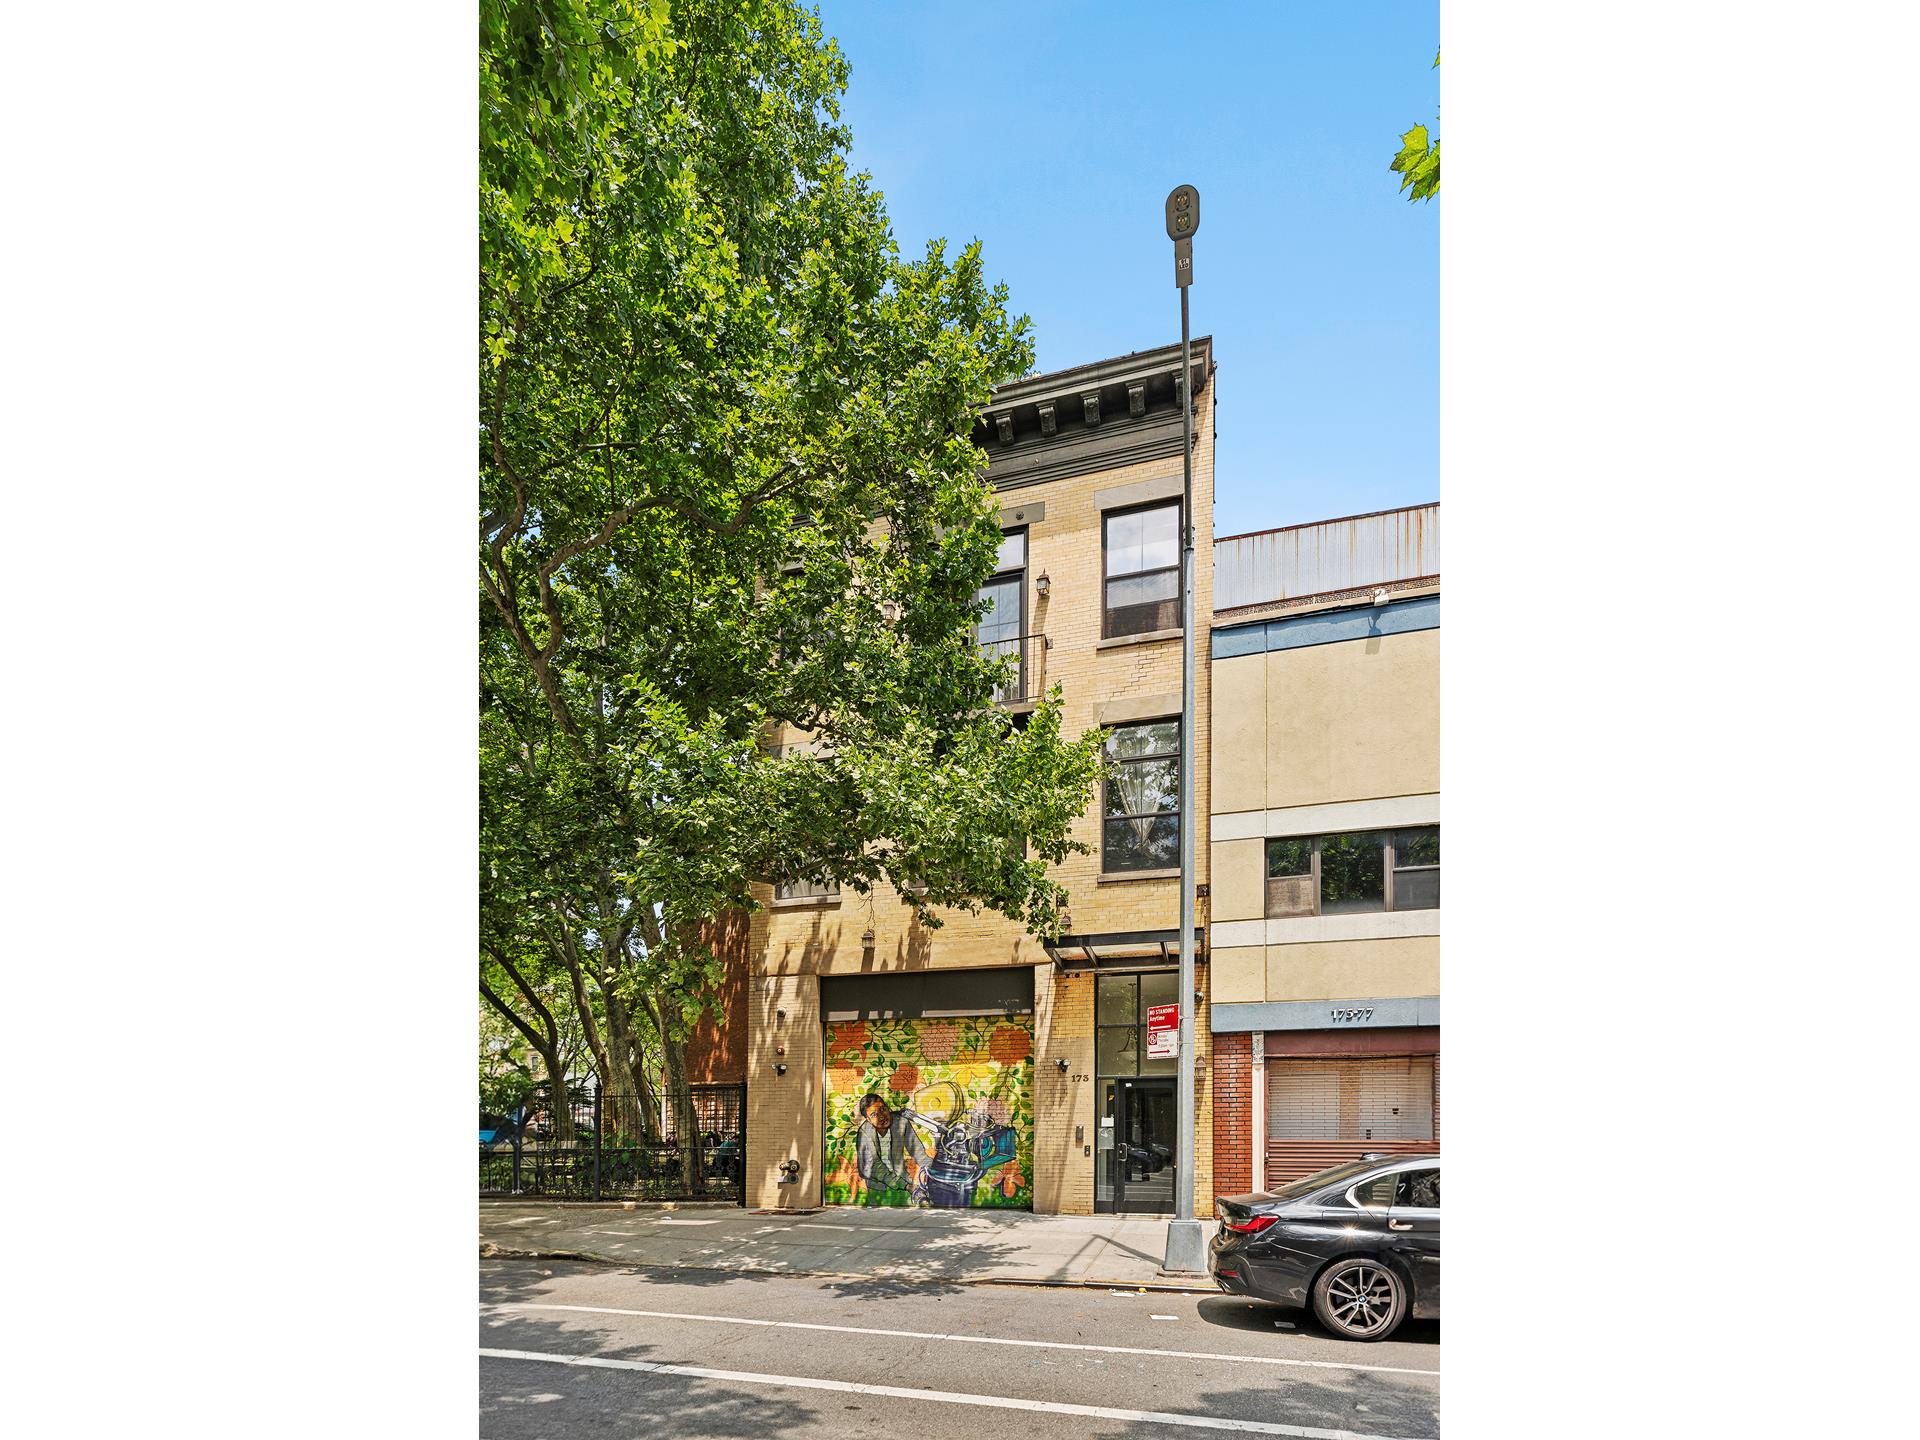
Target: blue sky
1052,131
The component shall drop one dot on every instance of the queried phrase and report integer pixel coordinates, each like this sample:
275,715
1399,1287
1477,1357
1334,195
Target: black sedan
1360,1243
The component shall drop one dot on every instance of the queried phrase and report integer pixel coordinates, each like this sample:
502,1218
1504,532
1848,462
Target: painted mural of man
889,1152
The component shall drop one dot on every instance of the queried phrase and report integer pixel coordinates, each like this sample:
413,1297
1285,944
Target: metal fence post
517,1126
596,1139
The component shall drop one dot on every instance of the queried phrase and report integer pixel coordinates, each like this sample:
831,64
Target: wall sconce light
779,1067
890,611
1063,1066
1041,584
1380,596
780,1015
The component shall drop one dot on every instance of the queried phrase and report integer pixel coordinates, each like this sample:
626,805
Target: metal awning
1124,950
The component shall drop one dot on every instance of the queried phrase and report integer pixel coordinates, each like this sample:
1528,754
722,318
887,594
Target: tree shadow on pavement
1231,1312
526,1397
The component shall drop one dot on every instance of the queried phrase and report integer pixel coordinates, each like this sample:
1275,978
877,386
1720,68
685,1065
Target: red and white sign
1163,1031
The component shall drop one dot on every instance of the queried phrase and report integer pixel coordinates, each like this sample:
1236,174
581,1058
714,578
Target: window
807,890
1001,631
1140,824
1417,1190
1361,872
1374,1194
1142,585
1120,1005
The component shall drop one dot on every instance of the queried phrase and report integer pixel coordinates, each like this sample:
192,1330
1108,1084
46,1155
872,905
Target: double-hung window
1359,872
1141,557
1001,630
1140,812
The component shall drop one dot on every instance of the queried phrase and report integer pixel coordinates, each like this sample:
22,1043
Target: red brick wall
717,1052
1232,1114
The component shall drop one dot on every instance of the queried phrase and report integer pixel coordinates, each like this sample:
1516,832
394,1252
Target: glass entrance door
1146,1144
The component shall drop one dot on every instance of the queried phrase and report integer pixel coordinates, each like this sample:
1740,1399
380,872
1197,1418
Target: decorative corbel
1090,403
1137,400
1047,424
1003,422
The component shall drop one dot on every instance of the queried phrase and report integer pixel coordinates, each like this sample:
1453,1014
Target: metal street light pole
1186,1243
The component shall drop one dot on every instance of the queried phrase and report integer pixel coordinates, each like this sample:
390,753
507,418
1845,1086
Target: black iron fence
573,1152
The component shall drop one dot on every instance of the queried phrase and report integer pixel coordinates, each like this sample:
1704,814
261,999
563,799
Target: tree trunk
630,1117
686,1124
560,1097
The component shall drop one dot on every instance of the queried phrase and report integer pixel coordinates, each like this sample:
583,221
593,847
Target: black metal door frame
1126,1088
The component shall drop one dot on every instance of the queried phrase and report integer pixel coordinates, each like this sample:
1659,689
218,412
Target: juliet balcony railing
1029,654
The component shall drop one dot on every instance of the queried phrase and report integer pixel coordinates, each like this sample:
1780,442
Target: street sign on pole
1186,1242
1163,1032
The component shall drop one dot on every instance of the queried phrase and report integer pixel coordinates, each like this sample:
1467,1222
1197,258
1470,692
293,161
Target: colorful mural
931,1112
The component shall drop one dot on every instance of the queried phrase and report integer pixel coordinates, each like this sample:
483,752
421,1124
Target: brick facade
1232,1114
717,1049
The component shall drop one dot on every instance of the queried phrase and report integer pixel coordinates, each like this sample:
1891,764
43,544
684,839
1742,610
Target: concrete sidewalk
954,1246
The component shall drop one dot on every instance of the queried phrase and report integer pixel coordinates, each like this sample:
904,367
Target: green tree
1418,163
727,481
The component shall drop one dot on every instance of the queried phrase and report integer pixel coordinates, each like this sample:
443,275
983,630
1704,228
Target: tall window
1142,585
1120,1006
1140,827
1001,631
1360,872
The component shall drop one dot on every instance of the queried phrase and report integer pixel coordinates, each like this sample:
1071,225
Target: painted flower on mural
905,1080
938,1040
847,1042
845,1078
1010,1045
1011,1182
999,1111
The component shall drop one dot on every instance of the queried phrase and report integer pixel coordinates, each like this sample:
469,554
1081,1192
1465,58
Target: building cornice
1089,418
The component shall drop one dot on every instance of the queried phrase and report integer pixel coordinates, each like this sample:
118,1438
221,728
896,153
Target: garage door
930,1111
1322,1112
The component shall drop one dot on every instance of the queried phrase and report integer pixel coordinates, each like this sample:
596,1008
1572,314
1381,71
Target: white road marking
946,1397
675,1220
969,1339
1163,1317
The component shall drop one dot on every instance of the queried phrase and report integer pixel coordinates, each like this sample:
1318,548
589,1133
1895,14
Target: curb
491,1251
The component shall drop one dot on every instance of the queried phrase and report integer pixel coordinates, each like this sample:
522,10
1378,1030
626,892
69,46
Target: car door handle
1399,1224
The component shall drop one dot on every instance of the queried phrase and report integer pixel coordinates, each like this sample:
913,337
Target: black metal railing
574,1153
1028,680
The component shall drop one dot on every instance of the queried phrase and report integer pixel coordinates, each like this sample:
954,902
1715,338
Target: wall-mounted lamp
779,1067
1063,1066
890,611
1041,584
1380,596
780,1015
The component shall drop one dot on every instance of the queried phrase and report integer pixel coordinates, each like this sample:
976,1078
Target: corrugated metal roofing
1329,555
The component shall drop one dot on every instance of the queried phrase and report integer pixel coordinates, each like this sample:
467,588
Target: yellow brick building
888,1062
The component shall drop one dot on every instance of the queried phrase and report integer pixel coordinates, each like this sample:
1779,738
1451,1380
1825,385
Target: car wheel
1360,1299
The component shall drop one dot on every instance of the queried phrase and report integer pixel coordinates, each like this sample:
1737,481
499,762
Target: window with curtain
1140,828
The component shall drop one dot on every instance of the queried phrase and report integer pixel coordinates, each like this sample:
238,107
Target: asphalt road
588,1350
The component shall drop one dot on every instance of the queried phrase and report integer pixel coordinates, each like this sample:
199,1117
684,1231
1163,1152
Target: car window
1375,1194
1417,1190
